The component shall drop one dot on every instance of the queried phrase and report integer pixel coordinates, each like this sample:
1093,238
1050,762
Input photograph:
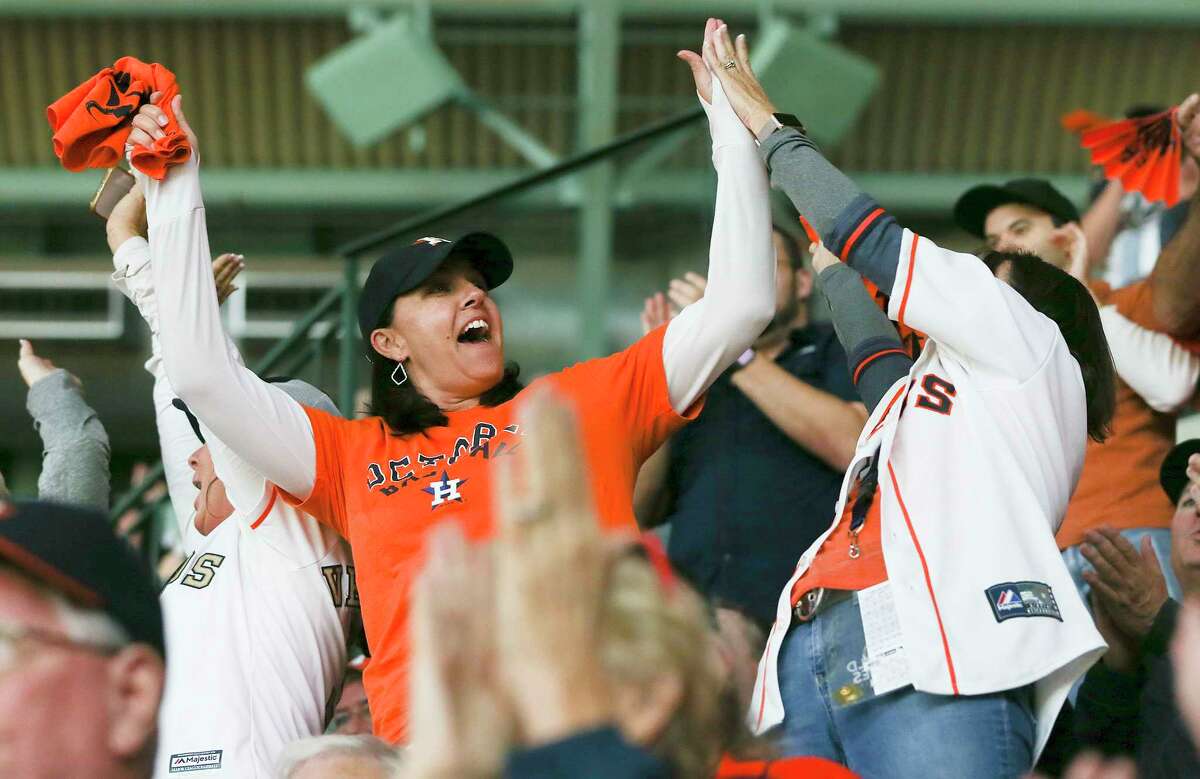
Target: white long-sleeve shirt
271,432
257,616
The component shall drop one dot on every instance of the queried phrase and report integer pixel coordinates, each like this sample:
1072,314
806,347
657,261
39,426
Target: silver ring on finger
730,65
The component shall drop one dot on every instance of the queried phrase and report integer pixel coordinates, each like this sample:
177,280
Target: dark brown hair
1064,299
405,409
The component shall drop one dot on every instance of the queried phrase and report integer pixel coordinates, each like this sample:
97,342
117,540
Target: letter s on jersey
936,395
203,570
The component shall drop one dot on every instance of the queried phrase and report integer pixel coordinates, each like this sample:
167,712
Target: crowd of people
948,532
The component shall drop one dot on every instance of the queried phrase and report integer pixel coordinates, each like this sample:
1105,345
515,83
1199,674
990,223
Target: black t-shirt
748,500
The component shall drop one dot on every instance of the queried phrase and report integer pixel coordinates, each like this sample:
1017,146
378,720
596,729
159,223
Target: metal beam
50,188
42,189
911,194
599,47
1143,12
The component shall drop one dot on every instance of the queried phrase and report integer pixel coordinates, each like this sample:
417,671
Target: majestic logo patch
195,761
1022,599
445,491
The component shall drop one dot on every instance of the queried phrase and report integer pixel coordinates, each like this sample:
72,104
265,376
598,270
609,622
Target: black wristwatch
775,122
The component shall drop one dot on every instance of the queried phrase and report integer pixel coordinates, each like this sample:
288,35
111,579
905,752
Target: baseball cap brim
971,210
73,551
486,252
1173,473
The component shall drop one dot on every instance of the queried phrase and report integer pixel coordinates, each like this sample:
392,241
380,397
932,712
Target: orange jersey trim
267,510
762,682
858,371
928,582
883,417
912,259
858,231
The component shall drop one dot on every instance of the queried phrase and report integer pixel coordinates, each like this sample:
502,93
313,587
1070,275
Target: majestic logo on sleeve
445,491
1022,599
195,761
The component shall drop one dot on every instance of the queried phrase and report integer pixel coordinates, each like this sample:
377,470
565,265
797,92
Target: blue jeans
1160,538
905,733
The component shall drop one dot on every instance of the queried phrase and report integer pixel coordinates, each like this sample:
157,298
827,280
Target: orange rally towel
92,121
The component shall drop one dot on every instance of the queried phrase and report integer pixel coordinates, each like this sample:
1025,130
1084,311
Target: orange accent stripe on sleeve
762,682
883,417
858,371
928,583
912,260
267,510
858,231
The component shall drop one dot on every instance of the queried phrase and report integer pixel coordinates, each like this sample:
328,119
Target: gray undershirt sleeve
75,451
850,223
818,190
874,352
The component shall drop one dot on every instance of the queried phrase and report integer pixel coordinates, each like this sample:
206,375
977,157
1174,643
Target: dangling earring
403,374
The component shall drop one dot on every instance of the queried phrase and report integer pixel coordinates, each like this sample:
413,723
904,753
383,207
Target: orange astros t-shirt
1119,484
383,492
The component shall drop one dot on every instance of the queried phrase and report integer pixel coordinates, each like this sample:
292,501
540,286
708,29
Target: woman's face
449,333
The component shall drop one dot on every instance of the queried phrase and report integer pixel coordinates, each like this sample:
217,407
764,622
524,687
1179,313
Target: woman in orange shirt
442,394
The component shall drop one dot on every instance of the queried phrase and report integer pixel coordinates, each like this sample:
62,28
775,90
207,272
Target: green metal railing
339,305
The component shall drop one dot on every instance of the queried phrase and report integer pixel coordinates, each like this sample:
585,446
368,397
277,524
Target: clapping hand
550,579
1071,239
661,308
460,725
1188,118
1128,582
226,267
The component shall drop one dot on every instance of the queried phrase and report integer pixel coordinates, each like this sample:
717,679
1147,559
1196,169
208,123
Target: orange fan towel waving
93,120
1144,153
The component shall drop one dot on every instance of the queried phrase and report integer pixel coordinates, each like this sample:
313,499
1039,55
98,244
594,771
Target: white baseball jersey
256,621
256,618
980,448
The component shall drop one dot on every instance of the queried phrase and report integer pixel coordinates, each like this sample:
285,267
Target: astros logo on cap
431,241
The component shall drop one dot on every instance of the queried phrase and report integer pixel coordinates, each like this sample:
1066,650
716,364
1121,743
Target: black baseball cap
404,269
971,210
73,551
1173,473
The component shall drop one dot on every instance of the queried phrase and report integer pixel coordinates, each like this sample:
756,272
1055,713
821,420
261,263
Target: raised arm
739,300
259,422
951,297
1175,280
133,277
1158,369
75,453
874,353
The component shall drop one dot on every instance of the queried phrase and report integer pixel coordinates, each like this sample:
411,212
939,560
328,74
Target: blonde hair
650,628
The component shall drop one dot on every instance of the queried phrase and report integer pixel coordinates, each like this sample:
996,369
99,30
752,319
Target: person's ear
804,283
135,686
659,701
390,344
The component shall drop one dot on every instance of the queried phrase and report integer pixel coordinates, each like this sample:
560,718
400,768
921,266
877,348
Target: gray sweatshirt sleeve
75,449
850,223
874,352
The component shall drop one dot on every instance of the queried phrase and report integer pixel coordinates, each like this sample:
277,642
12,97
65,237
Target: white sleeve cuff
723,123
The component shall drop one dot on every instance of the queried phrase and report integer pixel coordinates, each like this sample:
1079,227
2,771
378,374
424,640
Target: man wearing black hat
81,647
441,390
1158,374
1127,701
